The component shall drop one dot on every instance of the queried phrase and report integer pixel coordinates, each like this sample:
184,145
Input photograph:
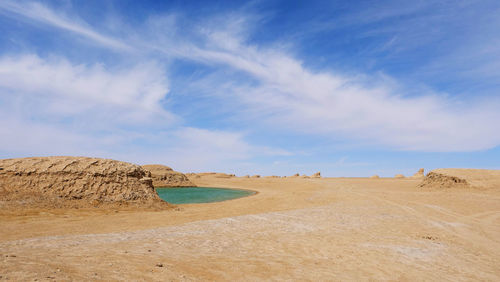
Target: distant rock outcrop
399,176
54,180
223,175
256,176
462,178
295,175
206,173
419,174
164,176
213,174
375,176
316,175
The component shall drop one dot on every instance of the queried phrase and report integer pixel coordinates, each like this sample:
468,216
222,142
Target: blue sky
348,88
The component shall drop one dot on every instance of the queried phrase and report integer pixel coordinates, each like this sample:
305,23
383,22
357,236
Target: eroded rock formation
419,174
164,176
28,181
462,178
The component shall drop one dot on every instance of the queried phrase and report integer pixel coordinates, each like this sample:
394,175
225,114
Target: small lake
189,195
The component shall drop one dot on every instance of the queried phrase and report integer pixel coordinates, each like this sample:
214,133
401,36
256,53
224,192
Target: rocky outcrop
438,180
399,176
375,177
223,175
58,179
164,176
419,174
462,178
255,176
316,175
206,174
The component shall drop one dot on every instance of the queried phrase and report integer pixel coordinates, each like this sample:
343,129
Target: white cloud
196,149
54,107
56,88
361,108
39,13
291,96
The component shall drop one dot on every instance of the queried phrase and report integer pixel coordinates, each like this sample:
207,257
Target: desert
249,140
442,227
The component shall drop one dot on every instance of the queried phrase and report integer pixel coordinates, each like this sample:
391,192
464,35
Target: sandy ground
293,229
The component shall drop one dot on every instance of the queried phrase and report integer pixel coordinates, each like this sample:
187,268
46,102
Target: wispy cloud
361,108
56,87
195,149
39,13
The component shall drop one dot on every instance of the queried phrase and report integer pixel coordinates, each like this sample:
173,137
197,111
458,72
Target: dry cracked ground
293,229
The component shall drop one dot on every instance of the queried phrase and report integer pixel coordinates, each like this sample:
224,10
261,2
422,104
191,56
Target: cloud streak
361,108
39,13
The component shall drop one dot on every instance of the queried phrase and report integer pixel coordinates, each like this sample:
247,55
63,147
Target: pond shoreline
201,195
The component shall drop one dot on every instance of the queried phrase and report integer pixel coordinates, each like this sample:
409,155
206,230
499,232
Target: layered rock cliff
164,176
57,179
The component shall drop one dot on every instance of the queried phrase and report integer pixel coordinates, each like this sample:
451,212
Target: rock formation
54,180
399,176
375,176
462,178
223,175
295,175
256,176
419,174
206,173
164,176
317,175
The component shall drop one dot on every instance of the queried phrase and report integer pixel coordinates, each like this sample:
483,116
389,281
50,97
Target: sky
348,88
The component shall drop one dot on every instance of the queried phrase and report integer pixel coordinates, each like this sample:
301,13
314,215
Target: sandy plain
312,229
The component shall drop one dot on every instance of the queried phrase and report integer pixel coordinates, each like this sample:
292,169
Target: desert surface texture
294,228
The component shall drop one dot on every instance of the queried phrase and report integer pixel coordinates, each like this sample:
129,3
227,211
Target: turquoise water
188,195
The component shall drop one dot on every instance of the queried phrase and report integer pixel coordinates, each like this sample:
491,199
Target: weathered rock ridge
164,176
462,178
56,179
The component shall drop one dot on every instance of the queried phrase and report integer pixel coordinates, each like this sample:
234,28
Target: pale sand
294,228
